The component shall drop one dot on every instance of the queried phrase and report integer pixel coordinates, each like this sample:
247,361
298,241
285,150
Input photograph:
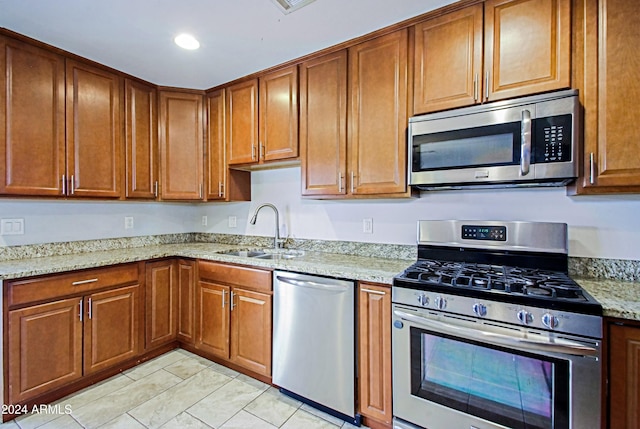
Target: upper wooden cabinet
323,124
279,114
242,122
141,140
377,118
608,78
262,118
181,145
94,133
223,184
526,43
32,157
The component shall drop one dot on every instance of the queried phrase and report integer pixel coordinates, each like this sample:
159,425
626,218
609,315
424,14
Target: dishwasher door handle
312,284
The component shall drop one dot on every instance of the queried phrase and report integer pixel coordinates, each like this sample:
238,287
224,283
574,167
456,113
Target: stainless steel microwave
530,141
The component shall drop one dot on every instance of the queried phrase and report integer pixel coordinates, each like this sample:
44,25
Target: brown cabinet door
251,330
212,318
608,78
624,376
448,60
242,122
181,145
94,134
161,303
216,161
527,47
279,114
374,321
112,327
378,115
186,300
45,348
32,158
323,124
141,140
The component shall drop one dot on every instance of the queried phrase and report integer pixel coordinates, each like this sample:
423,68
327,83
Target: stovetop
526,286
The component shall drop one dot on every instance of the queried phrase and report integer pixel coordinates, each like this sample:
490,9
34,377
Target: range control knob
550,321
441,303
525,317
423,299
480,310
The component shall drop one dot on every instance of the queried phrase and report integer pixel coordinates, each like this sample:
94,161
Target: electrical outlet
233,222
204,221
128,222
367,226
12,227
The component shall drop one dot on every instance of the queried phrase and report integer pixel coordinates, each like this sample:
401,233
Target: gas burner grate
511,280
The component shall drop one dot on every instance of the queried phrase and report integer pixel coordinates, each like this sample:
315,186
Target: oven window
515,389
474,147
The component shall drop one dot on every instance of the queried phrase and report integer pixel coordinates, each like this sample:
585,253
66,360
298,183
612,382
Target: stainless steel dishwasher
314,341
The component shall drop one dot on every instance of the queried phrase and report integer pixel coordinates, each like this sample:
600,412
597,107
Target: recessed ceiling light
186,41
288,6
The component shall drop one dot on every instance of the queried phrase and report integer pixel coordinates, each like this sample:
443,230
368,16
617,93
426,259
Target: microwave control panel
553,139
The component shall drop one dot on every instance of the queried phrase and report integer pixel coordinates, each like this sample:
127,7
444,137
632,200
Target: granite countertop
371,269
620,299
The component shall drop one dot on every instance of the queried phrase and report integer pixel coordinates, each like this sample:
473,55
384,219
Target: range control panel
476,232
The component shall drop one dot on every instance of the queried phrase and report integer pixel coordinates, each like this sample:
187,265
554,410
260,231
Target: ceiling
237,37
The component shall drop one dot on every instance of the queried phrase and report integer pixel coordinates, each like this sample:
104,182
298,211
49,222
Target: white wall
602,227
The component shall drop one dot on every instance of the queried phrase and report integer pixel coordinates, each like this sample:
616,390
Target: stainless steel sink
265,253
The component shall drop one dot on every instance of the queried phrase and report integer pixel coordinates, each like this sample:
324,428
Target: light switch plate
367,226
128,222
233,222
12,227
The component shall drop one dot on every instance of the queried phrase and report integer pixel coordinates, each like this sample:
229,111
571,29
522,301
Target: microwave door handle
525,145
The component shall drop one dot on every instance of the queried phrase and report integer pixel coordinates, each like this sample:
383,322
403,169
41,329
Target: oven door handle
558,345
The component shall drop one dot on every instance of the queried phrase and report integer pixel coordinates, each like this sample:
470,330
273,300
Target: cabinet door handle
340,184
486,86
375,292
64,184
81,312
72,185
201,190
220,189
155,189
84,282
475,87
89,308
231,304
224,293
592,169
353,179
253,152
263,150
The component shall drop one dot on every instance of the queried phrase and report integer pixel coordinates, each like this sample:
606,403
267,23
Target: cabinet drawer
251,278
77,282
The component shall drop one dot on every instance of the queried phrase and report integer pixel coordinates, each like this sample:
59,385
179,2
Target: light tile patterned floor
183,391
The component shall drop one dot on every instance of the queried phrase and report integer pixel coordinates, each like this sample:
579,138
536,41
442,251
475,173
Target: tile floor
178,390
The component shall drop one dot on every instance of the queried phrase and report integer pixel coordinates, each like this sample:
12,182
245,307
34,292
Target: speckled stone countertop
618,298
363,268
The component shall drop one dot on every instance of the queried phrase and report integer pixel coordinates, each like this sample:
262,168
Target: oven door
453,372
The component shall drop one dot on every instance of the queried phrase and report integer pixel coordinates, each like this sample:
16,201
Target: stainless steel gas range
489,331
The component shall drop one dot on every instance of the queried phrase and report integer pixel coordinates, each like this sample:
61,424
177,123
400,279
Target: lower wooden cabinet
186,300
161,308
233,315
53,343
623,374
374,347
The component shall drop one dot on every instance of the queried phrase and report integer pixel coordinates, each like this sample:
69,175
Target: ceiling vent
288,6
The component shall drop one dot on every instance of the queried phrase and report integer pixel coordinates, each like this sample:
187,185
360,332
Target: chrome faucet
277,242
